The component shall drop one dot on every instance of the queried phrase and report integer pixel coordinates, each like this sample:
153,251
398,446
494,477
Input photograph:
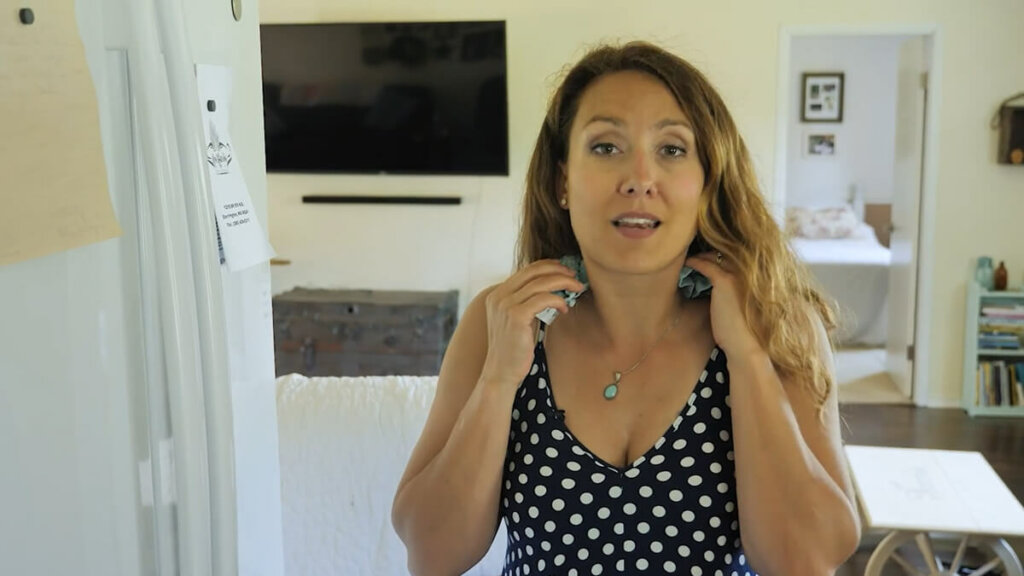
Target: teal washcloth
693,285
548,315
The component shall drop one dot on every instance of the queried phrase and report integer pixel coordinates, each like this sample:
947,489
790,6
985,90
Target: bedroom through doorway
851,193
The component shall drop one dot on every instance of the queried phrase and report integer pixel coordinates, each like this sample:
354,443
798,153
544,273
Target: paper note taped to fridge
54,195
242,241
238,217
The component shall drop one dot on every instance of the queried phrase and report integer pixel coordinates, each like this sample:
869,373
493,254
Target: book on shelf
1009,326
992,321
999,383
1011,312
1014,384
991,339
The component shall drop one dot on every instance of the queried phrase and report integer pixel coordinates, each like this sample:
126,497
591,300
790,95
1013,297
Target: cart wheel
922,559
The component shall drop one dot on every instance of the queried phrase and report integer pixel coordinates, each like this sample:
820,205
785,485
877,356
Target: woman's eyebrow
620,123
608,119
673,122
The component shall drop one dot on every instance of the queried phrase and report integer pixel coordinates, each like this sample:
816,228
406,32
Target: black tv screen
403,98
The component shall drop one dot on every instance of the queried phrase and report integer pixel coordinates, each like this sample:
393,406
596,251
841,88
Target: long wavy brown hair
779,295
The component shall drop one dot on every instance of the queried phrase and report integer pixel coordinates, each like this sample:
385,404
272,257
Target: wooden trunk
362,332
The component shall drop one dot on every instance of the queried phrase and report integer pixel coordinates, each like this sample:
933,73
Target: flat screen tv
401,98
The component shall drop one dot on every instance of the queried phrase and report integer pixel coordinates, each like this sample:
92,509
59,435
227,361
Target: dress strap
540,332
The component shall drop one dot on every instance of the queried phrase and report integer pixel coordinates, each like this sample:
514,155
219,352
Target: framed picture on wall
822,97
819,144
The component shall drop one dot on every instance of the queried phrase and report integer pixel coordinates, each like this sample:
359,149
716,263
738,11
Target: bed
852,268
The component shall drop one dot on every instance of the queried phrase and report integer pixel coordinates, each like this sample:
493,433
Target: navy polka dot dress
671,511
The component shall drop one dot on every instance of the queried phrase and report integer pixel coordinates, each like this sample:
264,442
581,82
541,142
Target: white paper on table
240,235
933,490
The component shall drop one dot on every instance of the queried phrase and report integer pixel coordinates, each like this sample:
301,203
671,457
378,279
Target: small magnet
211,106
27,16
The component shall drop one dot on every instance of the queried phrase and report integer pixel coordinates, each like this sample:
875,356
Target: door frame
929,172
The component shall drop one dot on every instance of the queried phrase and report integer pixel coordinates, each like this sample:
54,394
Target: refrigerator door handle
211,314
172,268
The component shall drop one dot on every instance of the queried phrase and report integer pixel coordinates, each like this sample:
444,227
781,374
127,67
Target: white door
909,150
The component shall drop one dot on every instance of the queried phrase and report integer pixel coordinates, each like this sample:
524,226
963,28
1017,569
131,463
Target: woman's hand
511,310
728,322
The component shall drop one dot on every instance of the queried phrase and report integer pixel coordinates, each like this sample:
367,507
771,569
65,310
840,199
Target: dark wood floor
1000,440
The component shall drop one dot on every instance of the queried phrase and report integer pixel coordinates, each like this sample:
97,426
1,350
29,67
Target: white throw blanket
344,443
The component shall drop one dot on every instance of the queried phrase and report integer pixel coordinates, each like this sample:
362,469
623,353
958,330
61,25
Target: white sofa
344,443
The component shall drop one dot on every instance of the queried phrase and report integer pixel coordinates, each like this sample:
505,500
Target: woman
656,425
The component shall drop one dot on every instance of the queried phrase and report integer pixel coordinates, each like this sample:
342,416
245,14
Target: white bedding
854,271
843,251
344,443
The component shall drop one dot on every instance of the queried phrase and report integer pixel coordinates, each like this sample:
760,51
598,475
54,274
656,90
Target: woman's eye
604,149
672,150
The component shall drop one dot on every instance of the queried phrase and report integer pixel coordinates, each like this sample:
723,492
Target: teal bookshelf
977,298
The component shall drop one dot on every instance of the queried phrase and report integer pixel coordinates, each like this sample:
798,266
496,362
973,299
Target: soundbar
429,200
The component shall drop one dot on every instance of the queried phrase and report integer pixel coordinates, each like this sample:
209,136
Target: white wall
864,139
737,44
465,247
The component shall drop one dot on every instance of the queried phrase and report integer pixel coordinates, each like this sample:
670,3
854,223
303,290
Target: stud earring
564,202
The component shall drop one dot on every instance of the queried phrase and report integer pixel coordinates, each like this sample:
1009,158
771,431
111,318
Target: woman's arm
446,506
798,513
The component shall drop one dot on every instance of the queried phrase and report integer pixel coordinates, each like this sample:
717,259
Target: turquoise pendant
612,390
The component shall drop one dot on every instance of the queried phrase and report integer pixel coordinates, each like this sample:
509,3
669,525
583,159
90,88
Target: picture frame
819,144
822,98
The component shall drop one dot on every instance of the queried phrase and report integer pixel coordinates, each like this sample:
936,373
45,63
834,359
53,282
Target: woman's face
633,178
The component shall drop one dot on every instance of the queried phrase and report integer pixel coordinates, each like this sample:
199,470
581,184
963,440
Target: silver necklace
612,390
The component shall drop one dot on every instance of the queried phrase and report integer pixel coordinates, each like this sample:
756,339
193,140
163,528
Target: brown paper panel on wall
53,182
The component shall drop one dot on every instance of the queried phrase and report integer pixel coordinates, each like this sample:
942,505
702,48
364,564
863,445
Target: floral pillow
795,217
833,222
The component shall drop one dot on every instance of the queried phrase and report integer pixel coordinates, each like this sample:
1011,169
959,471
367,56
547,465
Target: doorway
870,166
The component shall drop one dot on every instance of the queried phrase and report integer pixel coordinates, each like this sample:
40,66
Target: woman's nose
640,180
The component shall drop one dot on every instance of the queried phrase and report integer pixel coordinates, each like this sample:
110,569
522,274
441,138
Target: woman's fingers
710,264
537,269
547,284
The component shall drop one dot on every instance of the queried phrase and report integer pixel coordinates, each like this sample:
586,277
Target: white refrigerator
138,429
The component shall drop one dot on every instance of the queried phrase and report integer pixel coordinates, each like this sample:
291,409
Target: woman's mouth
636,222
636,226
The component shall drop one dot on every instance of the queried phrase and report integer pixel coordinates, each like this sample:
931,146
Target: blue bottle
984,274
